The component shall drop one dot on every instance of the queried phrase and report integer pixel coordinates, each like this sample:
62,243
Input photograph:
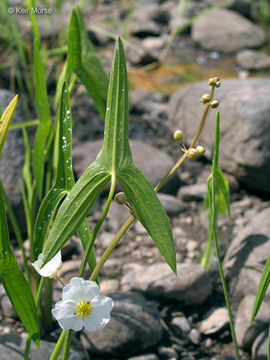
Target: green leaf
43,110
82,59
75,208
263,286
6,120
64,179
85,234
14,282
115,150
149,211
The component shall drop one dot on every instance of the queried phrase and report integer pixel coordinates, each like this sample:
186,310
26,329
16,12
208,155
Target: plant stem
59,345
221,273
184,156
37,301
112,245
66,345
97,227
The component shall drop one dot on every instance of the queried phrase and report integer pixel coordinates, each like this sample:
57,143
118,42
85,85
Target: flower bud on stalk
178,135
215,82
120,198
214,104
195,153
206,98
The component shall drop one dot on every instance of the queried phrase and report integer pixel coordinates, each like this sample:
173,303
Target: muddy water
167,78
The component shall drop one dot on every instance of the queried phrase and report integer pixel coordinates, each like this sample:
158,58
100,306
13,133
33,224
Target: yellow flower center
84,308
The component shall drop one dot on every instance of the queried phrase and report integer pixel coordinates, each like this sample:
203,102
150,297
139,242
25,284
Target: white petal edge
49,269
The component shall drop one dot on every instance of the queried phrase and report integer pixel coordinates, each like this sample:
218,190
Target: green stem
112,245
222,277
27,348
37,301
184,156
66,345
97,227
47,316
58,346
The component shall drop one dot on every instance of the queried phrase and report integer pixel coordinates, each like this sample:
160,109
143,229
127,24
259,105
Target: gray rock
148,21
154,163
217,320
7,309
12,348
231,34
244,122
12,160
194,192
116,216
171,204
195,337
167,353
144,357
260,347
152,109
140,55
253,60
181,323
245,258
134,327
192,285
243,7
247,334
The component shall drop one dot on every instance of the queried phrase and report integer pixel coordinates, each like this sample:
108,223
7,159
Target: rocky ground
158,316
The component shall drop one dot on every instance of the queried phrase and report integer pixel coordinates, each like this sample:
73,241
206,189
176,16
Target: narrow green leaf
263,286
75,208
6,120
82,59
64,179
115,150
45,216
85,234
223,186
149,211
14,282
43,110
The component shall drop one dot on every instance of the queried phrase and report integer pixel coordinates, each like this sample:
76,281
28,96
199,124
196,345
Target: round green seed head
120,198
214,104
178,135
205,98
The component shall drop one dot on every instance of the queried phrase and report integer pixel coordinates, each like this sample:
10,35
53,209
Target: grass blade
263,286
6,120
14,282
43,110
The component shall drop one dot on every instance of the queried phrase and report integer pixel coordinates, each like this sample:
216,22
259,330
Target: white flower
82,306
49,269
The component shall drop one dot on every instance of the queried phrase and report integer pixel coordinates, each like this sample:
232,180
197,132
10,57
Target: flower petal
100,315
49,269
64,313
78,289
